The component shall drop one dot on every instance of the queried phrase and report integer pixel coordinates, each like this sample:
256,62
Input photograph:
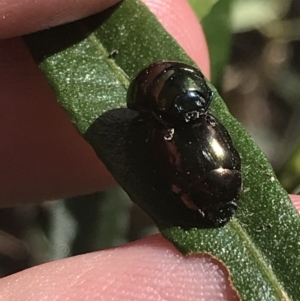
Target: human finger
42,156
19,17
149,269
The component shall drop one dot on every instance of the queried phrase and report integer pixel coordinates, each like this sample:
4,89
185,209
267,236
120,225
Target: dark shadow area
48,42
15,254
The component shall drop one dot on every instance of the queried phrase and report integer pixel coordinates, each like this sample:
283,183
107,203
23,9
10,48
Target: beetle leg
210,95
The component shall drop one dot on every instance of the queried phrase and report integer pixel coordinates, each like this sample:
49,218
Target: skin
37,136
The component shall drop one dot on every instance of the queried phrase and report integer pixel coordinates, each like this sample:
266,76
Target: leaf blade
121,146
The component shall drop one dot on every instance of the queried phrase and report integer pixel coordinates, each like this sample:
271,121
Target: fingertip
42,155
23,17
180,21
149,269
296,201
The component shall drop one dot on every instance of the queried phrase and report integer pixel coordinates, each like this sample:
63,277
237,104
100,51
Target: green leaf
217,29
202,8
261,245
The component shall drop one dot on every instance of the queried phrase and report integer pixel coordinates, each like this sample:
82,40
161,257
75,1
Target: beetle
192,150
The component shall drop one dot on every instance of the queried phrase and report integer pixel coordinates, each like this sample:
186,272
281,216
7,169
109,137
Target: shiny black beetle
193,151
